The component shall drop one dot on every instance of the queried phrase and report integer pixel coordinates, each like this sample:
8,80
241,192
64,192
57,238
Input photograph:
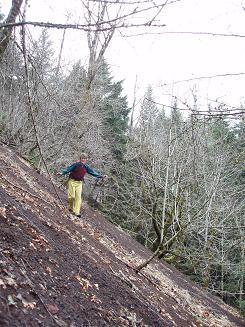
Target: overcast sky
163,60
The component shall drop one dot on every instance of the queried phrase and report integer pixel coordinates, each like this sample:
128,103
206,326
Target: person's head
84,157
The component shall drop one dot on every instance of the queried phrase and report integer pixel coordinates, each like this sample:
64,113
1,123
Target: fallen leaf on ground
26,304
6,251
49,270
32,246
11,300
19,218
83,282
10,281
95,299
3,212
205,314
42,287
97,235
2,283
52,308
29,305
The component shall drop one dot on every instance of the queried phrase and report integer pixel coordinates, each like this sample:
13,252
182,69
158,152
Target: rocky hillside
59,271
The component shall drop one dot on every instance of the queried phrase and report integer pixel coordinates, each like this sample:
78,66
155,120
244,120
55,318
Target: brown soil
56,270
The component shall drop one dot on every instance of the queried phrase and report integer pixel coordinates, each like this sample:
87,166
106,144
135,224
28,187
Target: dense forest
175,181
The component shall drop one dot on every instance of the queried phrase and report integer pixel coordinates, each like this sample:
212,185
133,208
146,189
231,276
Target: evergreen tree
13,114
1,15
176,116
42,55
114,108
148,113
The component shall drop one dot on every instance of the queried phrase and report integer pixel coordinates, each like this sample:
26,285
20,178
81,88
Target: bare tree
5,32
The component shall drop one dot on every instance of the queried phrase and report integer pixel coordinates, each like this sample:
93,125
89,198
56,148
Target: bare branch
204,77
83,27
188,33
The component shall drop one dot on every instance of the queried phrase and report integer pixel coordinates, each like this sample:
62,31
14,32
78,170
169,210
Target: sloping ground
59,271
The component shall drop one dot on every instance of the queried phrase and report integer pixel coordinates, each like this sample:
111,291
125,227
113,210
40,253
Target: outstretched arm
67,170
92,172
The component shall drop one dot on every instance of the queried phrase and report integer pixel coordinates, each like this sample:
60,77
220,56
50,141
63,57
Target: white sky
166,58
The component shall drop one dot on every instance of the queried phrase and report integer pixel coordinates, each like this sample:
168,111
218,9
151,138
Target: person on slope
77,171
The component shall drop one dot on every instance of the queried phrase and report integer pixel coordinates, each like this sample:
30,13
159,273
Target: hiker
75,182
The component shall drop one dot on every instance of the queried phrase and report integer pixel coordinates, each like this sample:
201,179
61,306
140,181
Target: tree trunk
5,32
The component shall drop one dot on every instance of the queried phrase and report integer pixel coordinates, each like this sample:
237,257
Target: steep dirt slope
59,271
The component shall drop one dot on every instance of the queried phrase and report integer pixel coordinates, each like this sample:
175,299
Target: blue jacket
78,170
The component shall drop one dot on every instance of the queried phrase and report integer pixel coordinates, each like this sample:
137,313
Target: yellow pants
75,195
